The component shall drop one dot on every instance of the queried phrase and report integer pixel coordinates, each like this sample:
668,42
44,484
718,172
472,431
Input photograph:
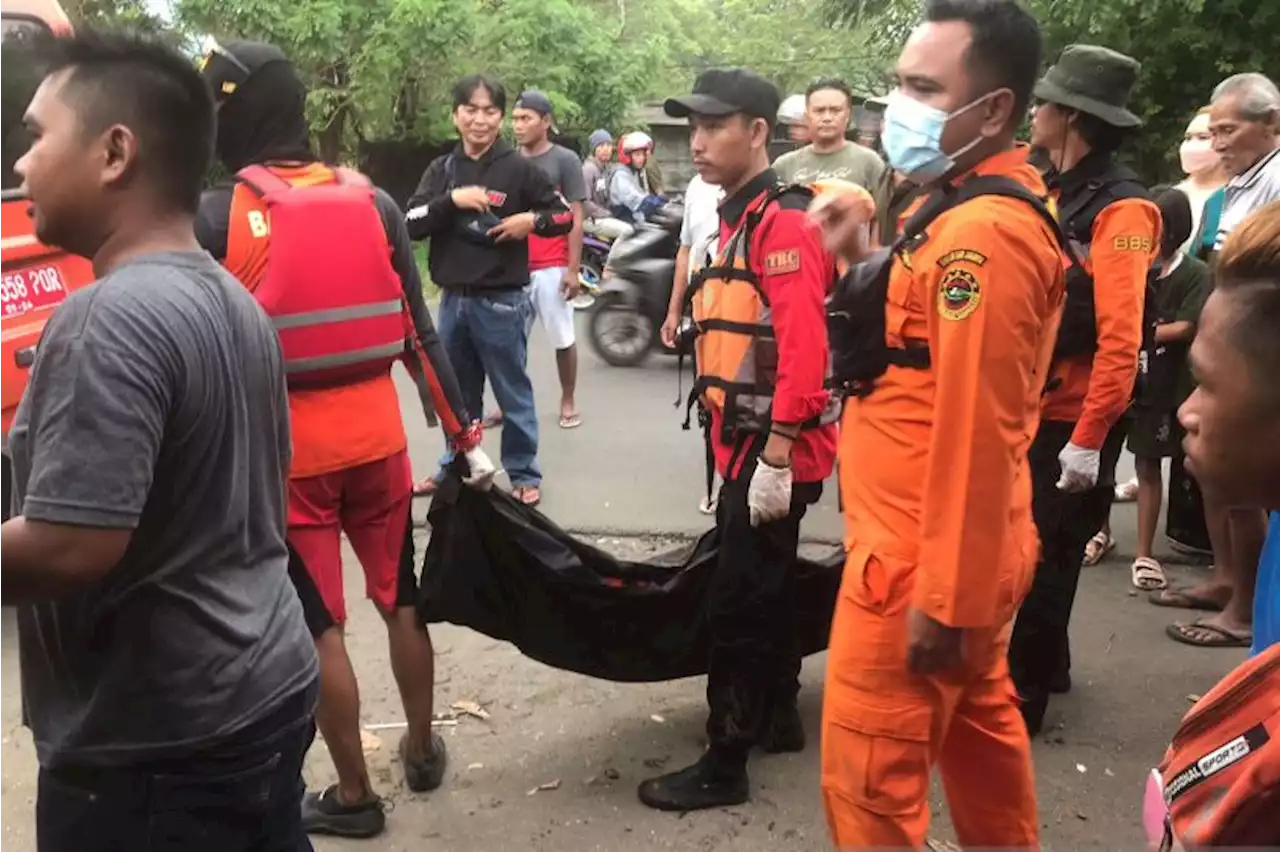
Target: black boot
717,780
1033,711
1060,683
784,732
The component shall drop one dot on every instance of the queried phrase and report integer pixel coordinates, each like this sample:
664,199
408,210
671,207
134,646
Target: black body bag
505,570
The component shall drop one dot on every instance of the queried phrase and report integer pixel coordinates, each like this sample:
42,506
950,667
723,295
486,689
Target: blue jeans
243,795
488,336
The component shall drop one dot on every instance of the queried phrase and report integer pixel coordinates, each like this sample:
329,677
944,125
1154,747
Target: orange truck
36,277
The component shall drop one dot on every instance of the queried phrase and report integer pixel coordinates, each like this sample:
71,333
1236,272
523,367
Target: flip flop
570,421
1183,599
1147,575
492,421
527,495
1220,637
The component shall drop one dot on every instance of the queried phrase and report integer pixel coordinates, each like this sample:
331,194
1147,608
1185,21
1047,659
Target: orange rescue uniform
1094,391
937,501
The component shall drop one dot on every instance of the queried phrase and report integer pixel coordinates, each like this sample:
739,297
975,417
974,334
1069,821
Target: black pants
755,664
1066,522
245,795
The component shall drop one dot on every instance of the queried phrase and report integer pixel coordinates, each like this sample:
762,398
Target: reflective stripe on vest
343,359
328,315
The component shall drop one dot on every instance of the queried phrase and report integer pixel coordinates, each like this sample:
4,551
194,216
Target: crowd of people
205,422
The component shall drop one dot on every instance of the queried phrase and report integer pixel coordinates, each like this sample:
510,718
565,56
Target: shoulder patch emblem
782,262
496,198
959,295
977,258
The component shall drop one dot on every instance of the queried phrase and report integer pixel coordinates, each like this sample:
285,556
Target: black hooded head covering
261,105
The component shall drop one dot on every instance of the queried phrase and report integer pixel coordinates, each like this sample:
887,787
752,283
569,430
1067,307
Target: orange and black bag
1221,774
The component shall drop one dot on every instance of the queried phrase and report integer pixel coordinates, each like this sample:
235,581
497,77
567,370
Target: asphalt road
627,474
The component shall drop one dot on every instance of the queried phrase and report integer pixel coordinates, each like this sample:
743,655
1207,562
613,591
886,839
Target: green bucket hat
1095,80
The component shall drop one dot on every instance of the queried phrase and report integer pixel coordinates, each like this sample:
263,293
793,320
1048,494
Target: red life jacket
329,286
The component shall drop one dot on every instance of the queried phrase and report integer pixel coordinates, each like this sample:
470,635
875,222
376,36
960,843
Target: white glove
1079,468
769,495
481,469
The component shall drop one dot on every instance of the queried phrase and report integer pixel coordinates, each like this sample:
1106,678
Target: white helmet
636,141
792,110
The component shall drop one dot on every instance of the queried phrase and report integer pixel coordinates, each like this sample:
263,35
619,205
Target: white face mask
1197,156
912,136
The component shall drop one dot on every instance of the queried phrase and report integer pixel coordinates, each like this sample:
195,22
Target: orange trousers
884,729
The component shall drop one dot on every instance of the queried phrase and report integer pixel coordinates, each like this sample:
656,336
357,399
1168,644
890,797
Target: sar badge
959,294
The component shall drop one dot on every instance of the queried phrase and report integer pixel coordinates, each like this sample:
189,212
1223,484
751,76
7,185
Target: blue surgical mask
912,137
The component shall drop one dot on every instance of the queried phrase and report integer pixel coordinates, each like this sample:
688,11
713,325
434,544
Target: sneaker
324,813
784,732
707,784
428,773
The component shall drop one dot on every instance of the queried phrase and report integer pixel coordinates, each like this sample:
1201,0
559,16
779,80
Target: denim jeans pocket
507,302
221,809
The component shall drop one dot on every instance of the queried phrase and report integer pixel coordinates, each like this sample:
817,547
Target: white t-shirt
701,225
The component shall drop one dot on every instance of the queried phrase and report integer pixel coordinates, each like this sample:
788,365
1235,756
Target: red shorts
371,504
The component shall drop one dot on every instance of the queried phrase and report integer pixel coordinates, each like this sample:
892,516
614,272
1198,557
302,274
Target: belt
470,290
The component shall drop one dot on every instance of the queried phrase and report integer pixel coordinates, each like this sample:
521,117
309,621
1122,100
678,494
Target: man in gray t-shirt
168,677
555,263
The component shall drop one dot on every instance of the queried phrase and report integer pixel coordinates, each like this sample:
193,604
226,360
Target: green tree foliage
382,69
1186,47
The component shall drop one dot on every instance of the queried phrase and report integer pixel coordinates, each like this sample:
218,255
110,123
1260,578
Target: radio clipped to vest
736,349
856,310
329,286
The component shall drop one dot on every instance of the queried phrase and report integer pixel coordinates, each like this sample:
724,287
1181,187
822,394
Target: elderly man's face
1240,141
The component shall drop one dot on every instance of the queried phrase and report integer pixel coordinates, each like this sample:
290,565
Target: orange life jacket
737,352
327,280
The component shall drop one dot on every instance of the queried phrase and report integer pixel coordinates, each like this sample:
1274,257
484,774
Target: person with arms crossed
934,470
167,675
555,263
478,205
772,430
350,472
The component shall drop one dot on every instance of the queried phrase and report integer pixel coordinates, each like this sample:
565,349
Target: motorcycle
632,303
595,251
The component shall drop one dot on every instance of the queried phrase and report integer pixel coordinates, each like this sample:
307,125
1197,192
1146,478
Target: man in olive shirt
828,105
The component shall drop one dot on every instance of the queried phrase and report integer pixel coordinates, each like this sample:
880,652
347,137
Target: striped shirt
1251,191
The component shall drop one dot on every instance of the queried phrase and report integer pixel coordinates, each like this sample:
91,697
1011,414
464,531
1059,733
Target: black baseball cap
725,91
538,102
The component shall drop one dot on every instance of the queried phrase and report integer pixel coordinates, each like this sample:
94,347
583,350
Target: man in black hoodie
478,205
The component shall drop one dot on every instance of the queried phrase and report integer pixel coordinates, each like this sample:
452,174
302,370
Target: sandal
1127,492
1098,547
492,421
708,505
1185,598
527,495
1147,574
1218,637
570,421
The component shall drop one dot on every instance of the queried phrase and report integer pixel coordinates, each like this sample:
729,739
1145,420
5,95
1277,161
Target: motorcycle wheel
589,277
620,335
